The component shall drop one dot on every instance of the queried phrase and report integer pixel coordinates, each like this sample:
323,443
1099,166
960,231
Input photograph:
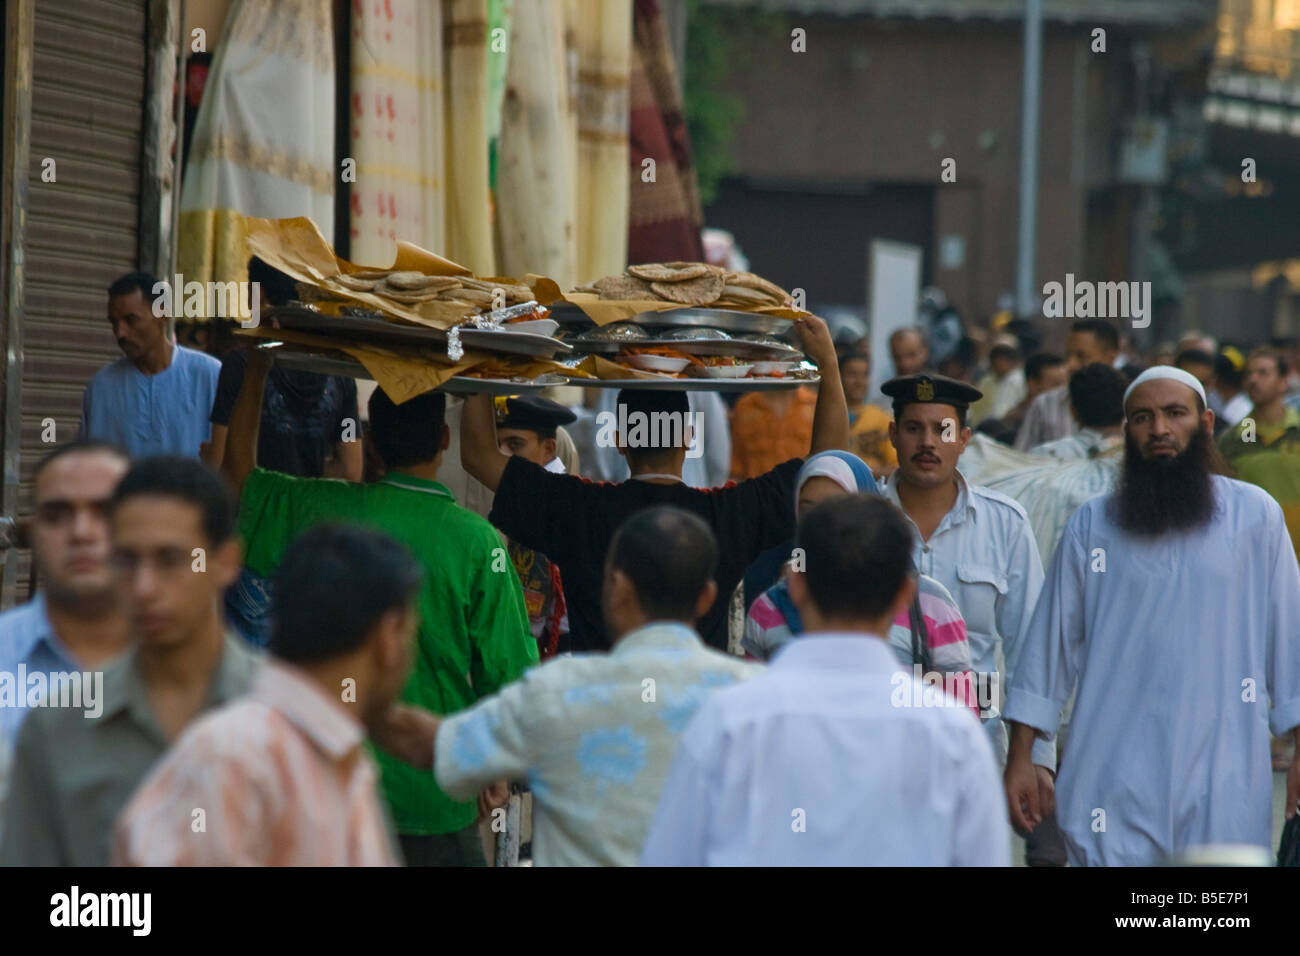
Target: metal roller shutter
88,88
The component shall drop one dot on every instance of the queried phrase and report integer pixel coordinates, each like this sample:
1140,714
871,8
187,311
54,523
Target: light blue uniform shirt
163,414
594,735
27,638
985,554
827,759
1177,643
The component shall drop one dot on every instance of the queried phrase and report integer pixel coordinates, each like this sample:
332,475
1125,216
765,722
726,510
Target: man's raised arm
479,454
831,416
245,421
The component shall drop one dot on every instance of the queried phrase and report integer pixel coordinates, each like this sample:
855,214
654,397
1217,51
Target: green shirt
1232,446
473,635
74,770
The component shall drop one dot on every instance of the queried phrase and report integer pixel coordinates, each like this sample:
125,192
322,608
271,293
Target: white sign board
893,295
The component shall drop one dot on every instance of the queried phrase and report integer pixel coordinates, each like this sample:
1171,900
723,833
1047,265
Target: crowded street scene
652,433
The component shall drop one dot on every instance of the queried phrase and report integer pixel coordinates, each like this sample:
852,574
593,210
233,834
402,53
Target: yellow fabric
869,438
468,221
604,46
535,170
213,247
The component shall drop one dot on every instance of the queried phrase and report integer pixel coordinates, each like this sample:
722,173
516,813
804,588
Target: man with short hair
1199,364
595,734
834,756
282,774
910,351
473,631
573,520
528,426
1049,418
1097,403
174,553
157,398
75,622
1230,388
868,424
1264,447
1176,655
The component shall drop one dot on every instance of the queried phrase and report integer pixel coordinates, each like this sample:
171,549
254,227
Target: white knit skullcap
1167,371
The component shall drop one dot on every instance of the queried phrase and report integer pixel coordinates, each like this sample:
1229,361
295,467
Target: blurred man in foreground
174,554
281,776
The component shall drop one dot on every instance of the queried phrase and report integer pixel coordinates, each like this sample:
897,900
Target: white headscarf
1167,371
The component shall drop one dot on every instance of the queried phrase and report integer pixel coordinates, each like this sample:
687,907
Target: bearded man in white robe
1174,602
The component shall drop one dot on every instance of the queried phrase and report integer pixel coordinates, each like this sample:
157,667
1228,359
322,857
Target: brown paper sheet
405,373
297,248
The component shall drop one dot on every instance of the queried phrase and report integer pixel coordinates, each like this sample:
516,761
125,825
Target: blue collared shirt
163,414
27,638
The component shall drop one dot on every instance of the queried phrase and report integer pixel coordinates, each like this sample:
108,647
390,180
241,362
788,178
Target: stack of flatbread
416,288
690,283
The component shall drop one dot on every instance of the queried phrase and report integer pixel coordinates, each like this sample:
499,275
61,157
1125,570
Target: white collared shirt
985,554
826,760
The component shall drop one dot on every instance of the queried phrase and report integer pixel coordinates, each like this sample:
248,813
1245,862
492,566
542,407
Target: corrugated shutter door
88,90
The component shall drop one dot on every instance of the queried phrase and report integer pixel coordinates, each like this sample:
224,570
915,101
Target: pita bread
740,293
623,287
475,297
418,281
748,280
669,271
355,284
700,291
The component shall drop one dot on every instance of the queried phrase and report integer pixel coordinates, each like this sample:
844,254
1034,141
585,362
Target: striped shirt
767,629
276,778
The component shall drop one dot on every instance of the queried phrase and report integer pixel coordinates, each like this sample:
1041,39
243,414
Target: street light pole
1027,302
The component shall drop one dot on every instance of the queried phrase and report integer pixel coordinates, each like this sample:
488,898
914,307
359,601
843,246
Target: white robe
1178,646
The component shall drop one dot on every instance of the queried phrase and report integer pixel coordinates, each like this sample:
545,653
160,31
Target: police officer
977,542
526,426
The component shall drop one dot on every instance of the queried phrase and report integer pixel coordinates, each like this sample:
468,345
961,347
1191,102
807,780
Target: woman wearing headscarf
935,637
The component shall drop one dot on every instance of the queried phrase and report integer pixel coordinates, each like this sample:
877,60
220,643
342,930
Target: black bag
1288,851
920,638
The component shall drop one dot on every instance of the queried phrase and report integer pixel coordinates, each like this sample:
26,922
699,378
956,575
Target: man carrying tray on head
572,520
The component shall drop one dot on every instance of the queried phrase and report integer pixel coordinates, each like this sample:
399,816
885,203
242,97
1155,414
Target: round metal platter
377,327
736,347
764,384
348,367
729,320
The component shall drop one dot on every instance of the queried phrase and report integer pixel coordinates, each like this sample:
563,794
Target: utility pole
1027,300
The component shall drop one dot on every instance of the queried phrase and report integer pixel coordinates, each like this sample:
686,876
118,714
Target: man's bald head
910,351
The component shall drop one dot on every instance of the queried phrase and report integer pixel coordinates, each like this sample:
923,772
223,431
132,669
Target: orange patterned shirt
761,438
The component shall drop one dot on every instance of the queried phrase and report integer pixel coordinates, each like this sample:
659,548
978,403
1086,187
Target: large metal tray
339,363
734,347
376,327
698,384
729,320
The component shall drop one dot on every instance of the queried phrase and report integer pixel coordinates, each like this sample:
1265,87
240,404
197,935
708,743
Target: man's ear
226,561
797,583
965,437
446,438
393,635
904,597
548,448
706,598
893,433
1207,422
